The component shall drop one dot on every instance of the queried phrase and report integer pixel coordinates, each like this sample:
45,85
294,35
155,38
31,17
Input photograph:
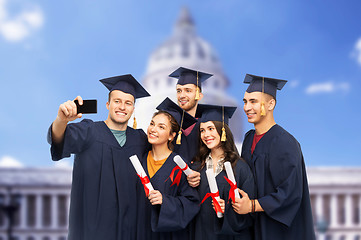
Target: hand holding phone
89,106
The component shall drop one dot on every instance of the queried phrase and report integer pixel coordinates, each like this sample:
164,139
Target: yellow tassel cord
197,90
223,137
197,94
135,123
263,110
179,138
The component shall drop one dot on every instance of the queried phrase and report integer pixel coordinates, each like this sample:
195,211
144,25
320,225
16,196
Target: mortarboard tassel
135,123
197,90
197,94
263,110
179,137
223,137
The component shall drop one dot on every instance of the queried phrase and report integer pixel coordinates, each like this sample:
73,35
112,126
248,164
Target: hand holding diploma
155,197
214,194
221,202
242,205
194,179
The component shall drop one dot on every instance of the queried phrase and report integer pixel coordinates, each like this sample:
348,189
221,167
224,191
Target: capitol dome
184,48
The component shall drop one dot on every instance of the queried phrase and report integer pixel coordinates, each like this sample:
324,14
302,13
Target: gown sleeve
285,173
176,212
76,138
232,222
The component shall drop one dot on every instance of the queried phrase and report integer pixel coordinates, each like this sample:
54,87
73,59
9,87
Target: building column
67,207
333,211
24,212
54,211
348,211
39,211
359,210
319,207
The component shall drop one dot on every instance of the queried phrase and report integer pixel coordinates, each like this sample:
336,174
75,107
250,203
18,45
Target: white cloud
21,25
328,87
356,53
10,162
294,83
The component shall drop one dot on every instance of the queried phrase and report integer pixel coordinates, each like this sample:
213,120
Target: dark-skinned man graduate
282,206
103,196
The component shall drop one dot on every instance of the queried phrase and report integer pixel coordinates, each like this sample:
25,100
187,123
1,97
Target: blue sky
53,51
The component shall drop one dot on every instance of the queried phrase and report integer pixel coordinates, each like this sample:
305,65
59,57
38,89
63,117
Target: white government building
45,192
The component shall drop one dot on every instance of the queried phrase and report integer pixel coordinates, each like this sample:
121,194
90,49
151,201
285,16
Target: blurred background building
45,195
184,48
41,196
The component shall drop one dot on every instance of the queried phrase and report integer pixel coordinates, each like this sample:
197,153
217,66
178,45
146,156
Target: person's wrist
61,120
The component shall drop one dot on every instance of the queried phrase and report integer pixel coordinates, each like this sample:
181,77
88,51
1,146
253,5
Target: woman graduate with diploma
217,147
166,212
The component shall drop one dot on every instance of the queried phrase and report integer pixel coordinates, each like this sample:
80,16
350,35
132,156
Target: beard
190,105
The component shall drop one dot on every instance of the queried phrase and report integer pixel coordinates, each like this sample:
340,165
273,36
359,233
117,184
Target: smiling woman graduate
217,147
167,211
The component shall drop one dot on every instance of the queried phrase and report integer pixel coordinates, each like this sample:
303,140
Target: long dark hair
174,126
230,150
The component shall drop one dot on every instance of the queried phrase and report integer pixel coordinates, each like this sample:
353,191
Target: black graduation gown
282,189
170,220
104,184
189,147
207,226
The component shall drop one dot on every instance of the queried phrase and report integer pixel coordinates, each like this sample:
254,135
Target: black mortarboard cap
189,76
207,113
263,84
125,83
177,112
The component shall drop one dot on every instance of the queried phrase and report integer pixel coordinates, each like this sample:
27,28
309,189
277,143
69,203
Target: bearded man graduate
282,205
103,196
189,93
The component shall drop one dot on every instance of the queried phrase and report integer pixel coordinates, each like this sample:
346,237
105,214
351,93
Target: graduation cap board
263,84
189,76
125,83
222,114
128,84
183,118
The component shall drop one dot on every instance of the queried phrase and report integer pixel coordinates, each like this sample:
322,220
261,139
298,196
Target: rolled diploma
213,186
179,161
140,170
230,175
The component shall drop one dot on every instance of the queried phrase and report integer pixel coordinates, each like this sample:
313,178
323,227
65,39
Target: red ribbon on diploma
178,176
231,194
144,181
217,207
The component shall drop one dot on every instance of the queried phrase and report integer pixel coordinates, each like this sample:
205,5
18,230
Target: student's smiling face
159,130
